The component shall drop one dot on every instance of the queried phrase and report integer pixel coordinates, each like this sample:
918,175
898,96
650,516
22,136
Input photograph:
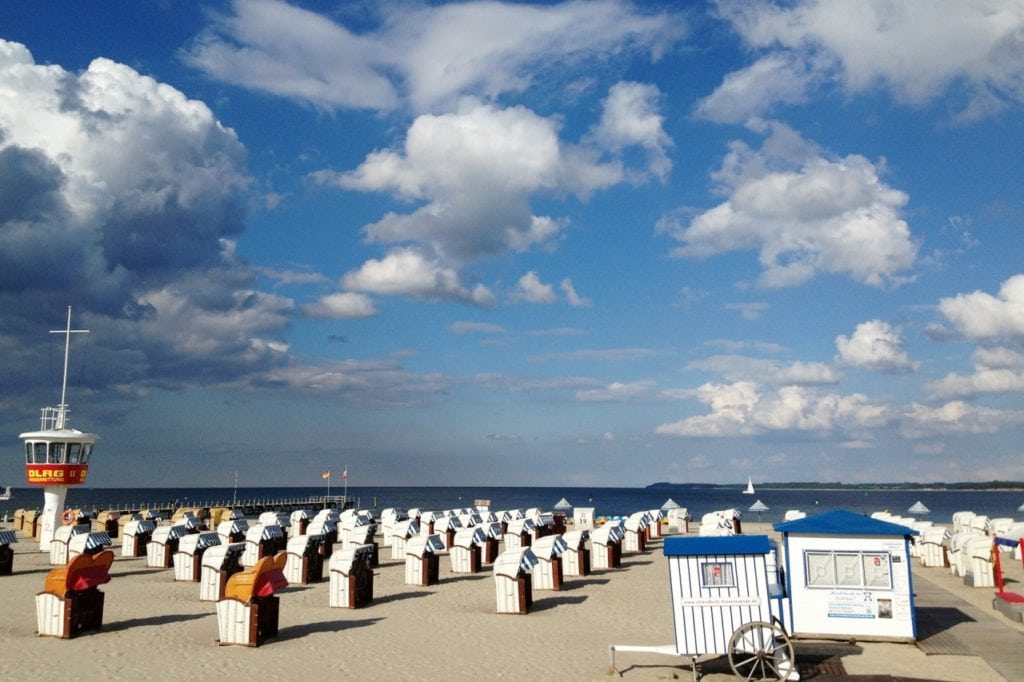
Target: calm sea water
606,501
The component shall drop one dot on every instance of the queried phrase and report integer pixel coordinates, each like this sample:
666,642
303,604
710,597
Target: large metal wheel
761,651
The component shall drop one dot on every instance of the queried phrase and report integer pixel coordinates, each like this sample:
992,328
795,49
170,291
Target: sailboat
750,487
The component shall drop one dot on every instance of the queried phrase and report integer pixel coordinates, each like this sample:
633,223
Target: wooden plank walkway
948,624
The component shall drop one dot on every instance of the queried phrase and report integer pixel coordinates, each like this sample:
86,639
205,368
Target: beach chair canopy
83,572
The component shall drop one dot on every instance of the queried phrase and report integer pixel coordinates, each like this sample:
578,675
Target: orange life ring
68,517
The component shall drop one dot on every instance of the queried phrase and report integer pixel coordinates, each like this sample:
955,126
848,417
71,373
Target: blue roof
710,545
842,522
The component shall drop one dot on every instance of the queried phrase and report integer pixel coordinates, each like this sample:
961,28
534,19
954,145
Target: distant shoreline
986,486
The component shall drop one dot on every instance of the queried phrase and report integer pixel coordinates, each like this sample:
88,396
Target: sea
698,499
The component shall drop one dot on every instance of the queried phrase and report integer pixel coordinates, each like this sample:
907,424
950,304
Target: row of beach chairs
240,565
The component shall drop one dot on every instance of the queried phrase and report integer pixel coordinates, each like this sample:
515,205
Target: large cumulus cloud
121,196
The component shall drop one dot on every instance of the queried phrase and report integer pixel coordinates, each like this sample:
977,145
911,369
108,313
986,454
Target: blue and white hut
848,575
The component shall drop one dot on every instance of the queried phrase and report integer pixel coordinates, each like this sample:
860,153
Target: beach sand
156,628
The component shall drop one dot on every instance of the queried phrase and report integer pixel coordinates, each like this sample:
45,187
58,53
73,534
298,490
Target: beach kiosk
71,602
726,599
848,575
249,612
219,563
583,518
512,580
351,577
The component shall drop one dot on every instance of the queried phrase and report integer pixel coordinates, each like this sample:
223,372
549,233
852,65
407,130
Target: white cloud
875,346
914,49
406,272
954,417
740,367
806,214
130,196
429,56
741,409
342,305
476,328
363,382
996,370
574,299
617,392
631,117
531,290
291,52
475,169
981,316
748,311
754,90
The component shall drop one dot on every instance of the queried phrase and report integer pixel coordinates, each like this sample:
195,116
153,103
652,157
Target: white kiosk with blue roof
848,575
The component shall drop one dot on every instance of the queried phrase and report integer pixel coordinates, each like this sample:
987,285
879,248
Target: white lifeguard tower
57,456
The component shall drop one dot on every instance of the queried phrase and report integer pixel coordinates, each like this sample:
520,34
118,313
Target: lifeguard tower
57,456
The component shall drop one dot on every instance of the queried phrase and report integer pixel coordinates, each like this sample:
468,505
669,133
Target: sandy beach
156,628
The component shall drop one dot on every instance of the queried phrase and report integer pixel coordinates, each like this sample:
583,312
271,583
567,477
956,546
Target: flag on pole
344,474
326,474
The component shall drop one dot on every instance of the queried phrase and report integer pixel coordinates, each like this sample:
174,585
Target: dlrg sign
56,474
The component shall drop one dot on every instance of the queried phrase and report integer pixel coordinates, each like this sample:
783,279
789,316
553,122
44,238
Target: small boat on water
918,508
57,456
750,487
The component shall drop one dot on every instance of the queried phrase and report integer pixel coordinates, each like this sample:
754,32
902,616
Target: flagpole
328,486
345,478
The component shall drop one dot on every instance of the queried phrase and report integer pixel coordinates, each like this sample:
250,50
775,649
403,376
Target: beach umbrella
918,508
758,507
1020,508
669,504
563,505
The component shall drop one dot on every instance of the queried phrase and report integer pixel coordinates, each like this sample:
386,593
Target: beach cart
726,600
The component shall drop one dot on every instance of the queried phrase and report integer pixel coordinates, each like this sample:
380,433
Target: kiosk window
848,569
877,571
717,574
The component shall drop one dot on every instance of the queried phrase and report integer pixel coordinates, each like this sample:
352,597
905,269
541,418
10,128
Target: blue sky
482,243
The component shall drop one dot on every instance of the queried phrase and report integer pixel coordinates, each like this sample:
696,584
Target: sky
493,243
